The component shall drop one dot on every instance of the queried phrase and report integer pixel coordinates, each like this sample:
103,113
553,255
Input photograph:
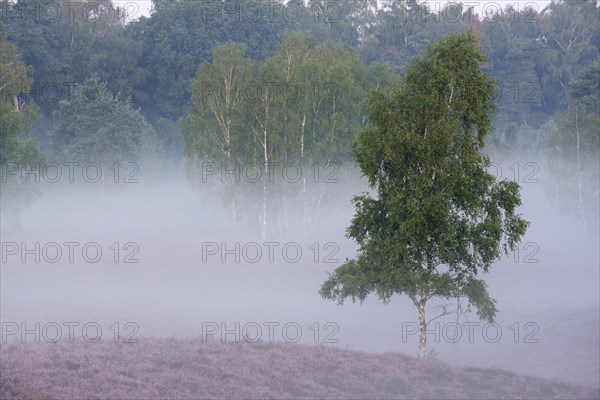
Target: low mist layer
174,264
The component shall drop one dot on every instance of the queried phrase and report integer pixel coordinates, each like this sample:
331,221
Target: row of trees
535,54
302,105
154,75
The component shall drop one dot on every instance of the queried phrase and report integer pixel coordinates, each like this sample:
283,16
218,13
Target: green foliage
96,126
16,144
87,37
439,218
305,103
586,89
515,49
170,137
534,54
334,21
571,31
402,29
215,128
18,150
181,35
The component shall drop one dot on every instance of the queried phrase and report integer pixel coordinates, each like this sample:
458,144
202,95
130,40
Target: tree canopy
94,125
439,218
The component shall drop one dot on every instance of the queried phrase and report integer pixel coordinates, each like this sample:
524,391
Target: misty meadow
299,199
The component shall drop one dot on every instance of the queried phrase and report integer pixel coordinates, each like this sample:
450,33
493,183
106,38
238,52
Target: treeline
535,54
261,81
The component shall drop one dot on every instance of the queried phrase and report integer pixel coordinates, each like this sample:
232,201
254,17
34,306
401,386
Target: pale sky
138,8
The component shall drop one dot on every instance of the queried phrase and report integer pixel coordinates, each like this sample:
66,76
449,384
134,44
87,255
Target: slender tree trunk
422,329
302,136
318,209
332,132
102,184
103,193
579,189
304,207
286,217
235,219
263,232
266,160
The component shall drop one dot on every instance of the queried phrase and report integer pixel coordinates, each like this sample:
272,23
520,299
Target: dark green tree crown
439,217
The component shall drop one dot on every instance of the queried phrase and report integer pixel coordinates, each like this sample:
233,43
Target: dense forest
265,82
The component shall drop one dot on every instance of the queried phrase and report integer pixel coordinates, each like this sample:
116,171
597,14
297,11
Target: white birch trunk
579,185
422,330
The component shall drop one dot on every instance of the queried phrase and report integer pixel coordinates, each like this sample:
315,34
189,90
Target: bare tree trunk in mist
279,230
264,211
276,223
302,136
264,141
234,214
318,210
286,218
422,329
581,208
103,190
304,207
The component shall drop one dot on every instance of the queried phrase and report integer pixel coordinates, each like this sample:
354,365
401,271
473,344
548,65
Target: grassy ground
190,369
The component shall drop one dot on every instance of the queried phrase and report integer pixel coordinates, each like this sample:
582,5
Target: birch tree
439,217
